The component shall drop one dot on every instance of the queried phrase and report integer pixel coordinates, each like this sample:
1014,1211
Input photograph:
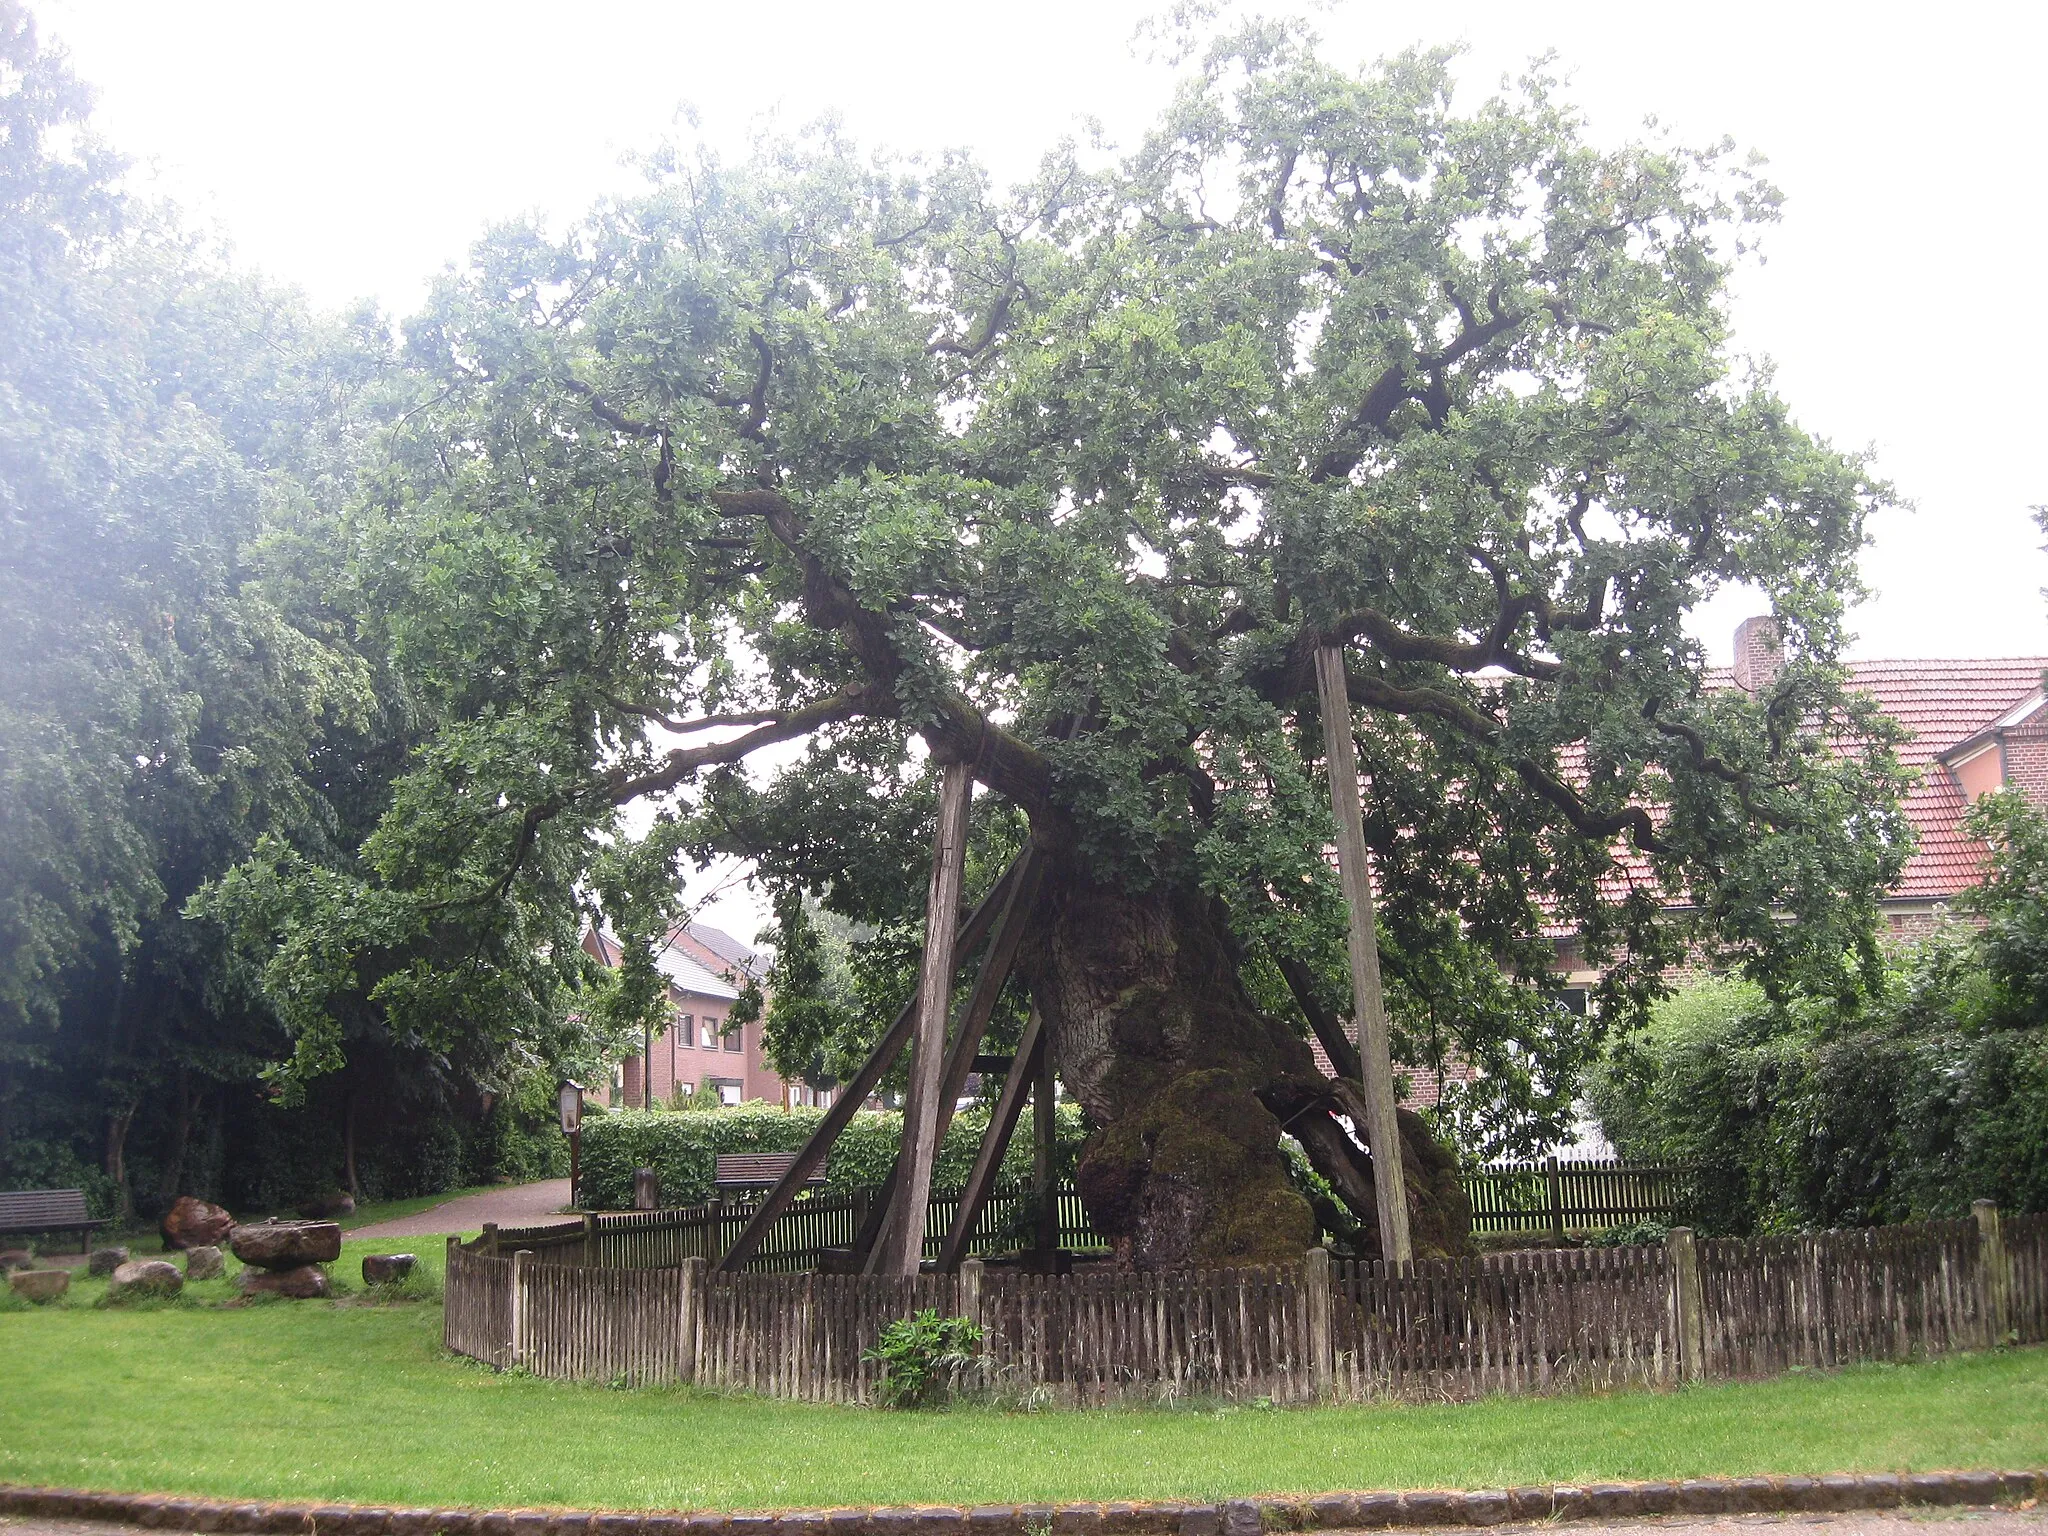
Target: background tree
1068,484
179,679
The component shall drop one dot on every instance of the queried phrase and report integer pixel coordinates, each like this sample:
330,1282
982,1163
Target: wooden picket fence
1560,1197
1531,1322
1538,1321
801,1239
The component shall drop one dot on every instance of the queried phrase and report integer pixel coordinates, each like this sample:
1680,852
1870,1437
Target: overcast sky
357,148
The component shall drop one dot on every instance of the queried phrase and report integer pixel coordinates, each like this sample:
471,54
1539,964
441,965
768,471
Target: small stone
204,1263
1378,1509
327,1206
387,1268
146,1277
104,1261
39,1285
307,1282
193,1223
1241,1517
16,1258
287,1244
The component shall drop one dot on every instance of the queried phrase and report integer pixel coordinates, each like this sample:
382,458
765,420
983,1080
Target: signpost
569,1103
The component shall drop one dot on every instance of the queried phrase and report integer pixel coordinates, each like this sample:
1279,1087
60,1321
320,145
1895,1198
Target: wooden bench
42,1211
757,1170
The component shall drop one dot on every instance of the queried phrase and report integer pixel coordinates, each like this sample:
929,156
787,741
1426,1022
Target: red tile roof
1943,703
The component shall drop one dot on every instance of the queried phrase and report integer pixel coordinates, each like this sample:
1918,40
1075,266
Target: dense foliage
183,682
683,1148
1912,1101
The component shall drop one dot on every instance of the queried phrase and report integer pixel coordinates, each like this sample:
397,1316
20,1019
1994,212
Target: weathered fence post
714,1227
690,1316
1553,1186
590,1237
1315,1284
489,1238
1688,1326
1991,1265
967,1296
646,1190
518,1340
967,1304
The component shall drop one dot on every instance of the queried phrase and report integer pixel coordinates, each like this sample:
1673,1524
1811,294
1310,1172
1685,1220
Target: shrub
683,1149
923,1358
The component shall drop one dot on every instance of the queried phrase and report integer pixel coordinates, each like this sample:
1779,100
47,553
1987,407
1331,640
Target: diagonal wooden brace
854,1093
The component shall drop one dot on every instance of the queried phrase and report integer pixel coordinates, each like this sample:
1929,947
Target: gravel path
516,1205
1948,1522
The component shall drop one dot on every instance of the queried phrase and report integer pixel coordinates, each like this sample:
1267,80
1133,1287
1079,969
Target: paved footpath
1958,1522
515,1205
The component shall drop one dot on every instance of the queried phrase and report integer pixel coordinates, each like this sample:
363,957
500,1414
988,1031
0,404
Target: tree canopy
845,464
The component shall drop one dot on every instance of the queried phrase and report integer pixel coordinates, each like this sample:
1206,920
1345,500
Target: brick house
705,968
1975,725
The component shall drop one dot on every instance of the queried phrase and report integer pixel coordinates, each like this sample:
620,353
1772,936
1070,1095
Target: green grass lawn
357,1401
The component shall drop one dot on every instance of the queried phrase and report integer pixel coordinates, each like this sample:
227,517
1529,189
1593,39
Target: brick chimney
1759,653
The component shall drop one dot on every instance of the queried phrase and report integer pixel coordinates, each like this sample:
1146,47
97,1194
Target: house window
729,1092
736,1041
686,1029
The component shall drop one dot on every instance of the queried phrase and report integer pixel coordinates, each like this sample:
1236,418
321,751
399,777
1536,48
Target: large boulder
287,1244
192,1223
336,1202
16,1258
40,1285
104,1261
203,1263
146,1277
305,1282
387,1268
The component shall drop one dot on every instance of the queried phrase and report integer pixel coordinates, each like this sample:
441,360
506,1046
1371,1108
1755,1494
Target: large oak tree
865,462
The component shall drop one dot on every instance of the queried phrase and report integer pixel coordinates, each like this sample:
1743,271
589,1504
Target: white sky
357,148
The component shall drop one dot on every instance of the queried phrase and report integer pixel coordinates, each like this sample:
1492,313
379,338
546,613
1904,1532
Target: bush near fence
683,1147
1316,1331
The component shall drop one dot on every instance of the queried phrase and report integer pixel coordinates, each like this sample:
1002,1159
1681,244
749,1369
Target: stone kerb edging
1237,1517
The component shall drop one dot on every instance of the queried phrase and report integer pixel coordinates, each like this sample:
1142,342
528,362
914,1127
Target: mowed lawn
358,1402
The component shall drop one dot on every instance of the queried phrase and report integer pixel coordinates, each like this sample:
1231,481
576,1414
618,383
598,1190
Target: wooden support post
1045,1173
988,1160
589,1237
516,1347
1383,1126
1315,1275
1991,1264
1553,1193
690,1321
714,1229
966,1044
854,1093
1688,1323
901,1249
488,1238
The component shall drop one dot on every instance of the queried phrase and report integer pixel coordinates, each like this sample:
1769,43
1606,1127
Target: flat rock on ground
40,1284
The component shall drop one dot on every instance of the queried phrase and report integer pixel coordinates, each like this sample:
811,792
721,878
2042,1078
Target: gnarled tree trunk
1190,1087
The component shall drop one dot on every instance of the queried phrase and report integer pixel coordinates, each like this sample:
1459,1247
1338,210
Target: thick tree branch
957,730
678,764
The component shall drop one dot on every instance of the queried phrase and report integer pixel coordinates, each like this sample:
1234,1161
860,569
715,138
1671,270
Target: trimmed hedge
682,1147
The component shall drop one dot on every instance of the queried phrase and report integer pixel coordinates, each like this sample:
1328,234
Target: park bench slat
757,1170
23,1211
